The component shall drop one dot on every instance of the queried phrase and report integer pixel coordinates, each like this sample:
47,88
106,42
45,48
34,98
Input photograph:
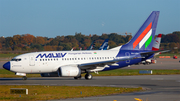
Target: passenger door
31,61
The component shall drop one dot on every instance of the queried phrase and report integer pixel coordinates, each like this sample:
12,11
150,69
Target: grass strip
8,55
41,92
118,72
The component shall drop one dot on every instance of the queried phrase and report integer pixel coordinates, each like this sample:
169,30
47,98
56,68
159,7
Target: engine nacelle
69,71
55,74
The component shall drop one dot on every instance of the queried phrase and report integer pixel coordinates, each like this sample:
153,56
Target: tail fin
91,46
156,43
144,36
104,46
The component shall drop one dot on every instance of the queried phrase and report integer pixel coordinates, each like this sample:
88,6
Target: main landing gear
24,78
87,77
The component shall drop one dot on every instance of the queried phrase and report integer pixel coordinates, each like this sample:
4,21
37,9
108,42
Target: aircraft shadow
7,79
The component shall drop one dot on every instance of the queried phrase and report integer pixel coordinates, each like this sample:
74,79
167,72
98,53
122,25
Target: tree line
30,43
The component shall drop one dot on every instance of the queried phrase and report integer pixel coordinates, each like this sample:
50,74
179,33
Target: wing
93,65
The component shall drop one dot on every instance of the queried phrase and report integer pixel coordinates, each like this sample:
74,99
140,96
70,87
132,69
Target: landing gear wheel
24,78
88,76
78,77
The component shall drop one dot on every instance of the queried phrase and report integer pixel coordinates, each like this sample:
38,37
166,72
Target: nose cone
7,66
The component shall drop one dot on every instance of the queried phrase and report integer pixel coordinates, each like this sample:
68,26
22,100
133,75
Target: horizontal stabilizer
152,52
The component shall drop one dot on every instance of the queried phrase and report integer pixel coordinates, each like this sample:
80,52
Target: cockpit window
16,60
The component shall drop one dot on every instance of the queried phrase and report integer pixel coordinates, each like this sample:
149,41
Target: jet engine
73,71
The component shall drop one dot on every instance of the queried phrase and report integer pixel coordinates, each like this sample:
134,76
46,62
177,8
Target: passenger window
16,60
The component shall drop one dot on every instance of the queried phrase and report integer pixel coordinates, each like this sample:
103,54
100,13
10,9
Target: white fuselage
50,61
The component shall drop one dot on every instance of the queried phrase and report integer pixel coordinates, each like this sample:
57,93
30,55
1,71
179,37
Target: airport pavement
168,63
145,96
159,87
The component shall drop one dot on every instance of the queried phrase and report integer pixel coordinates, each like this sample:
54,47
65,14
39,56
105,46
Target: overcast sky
51,18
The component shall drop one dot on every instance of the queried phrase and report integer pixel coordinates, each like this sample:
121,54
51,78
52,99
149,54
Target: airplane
91,46
104,46
75,63
156,45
